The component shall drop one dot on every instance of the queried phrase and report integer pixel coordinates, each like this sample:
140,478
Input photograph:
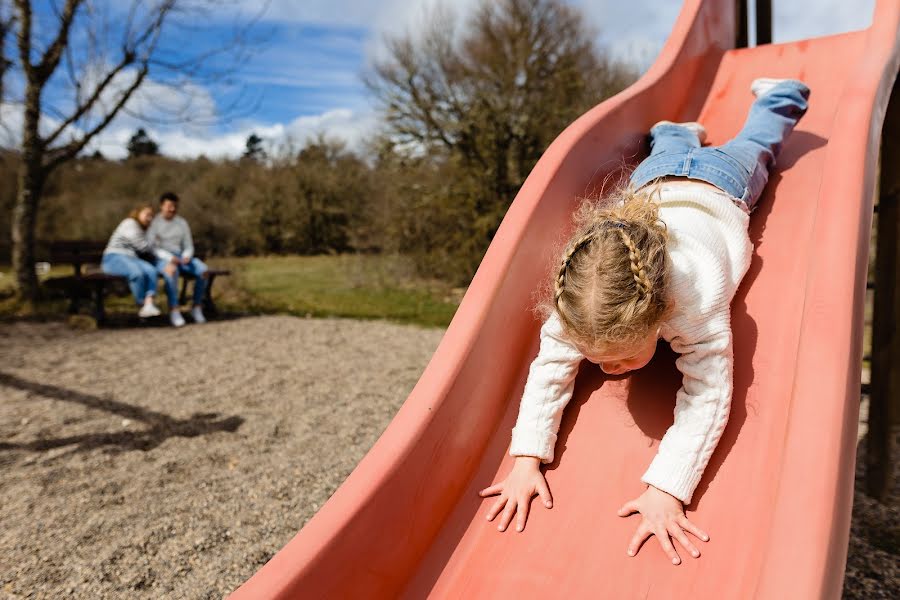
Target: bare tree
498,93
96,56
486,100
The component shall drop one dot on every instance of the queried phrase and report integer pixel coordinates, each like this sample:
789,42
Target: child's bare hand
523,482
663,516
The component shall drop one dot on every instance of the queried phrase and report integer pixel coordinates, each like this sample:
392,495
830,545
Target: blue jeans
196,268
741,166
141,275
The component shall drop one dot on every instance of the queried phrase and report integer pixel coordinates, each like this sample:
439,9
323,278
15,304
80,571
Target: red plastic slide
776,497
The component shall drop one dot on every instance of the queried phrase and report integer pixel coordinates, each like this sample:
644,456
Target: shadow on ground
161,426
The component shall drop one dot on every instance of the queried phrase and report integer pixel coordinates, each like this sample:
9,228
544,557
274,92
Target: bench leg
74,298
99,312
209,306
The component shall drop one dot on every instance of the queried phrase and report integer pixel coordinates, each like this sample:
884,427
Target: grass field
354,286
357,286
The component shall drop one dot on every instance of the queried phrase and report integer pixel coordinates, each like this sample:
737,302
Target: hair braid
637,265
578,244
616,290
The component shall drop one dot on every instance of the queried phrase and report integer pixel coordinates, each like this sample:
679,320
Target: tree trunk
23,226
31,185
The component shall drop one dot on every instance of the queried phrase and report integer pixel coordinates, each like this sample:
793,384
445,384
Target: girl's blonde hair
136,211
610,288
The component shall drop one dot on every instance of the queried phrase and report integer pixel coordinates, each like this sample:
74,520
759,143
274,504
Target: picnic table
88,282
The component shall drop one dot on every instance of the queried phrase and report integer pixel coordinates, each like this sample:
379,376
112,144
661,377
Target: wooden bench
89,282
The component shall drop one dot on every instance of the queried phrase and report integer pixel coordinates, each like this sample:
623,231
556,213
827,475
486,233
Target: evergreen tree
141,144
254,149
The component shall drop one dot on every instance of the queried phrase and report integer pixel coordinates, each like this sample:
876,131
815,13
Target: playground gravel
159,463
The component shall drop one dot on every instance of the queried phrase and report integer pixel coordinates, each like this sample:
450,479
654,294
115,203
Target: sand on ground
149,462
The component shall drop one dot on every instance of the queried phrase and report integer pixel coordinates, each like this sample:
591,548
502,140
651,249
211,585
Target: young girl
120,257
662,259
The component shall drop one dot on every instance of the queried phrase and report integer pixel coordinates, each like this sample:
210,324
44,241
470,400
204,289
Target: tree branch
23,39
152,33
84,107
71,150
54,52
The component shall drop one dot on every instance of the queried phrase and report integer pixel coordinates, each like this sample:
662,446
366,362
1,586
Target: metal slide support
884,401
740,24
763,23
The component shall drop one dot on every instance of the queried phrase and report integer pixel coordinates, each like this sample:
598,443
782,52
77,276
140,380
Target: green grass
353,286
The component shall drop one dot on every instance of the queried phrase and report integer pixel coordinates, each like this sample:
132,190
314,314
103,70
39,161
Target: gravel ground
151,463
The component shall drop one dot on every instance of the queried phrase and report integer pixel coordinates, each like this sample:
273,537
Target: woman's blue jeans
142,277
741,166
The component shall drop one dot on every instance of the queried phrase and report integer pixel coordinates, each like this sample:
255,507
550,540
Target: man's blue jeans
195,267
142,277
741,166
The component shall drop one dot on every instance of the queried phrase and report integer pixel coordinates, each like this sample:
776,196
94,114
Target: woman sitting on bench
121,257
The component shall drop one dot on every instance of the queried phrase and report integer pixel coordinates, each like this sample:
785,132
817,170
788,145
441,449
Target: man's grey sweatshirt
171,237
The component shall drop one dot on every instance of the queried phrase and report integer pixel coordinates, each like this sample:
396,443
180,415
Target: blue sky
303,78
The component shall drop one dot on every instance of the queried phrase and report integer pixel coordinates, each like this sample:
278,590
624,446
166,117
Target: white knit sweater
709,251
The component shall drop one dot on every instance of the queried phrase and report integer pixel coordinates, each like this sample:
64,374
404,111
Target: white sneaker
149,310
197,315
763,85
176,318
698,129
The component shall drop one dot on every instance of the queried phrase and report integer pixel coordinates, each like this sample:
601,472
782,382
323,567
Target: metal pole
763,22
740,24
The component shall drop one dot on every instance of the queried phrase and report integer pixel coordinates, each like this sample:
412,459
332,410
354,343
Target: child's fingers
544,492
678,533
496,508
643,532
508,514
686,524
524,505
628,508
490,491
663,536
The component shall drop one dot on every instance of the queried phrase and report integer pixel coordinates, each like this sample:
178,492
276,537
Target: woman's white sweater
709,251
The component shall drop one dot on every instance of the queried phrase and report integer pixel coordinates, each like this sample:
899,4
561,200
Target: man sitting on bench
173,245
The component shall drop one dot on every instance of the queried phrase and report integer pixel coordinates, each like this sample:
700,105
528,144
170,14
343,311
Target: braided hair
610,286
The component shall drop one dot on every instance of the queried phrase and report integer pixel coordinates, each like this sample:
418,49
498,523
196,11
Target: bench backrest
77,253
83,252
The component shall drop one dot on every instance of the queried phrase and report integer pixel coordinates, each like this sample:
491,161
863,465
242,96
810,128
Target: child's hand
524,481
663,515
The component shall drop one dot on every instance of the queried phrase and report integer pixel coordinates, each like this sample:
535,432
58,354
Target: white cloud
343,124
190,141
12,120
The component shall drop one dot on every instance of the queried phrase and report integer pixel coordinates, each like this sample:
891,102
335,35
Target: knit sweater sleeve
128,238
548,389
709,252
702,406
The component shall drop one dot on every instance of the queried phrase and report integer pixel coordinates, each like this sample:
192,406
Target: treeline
314,202
467,109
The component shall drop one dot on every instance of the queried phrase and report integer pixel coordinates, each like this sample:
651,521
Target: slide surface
776,497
